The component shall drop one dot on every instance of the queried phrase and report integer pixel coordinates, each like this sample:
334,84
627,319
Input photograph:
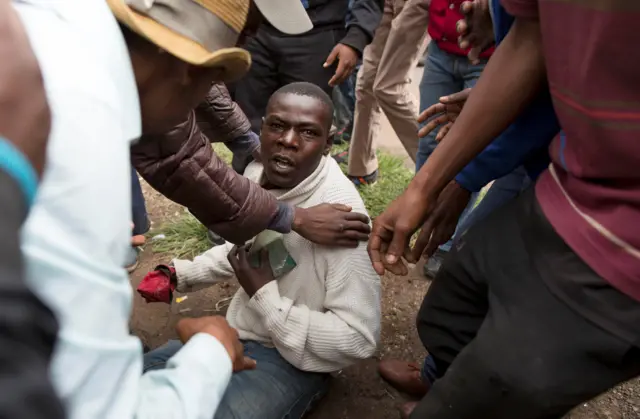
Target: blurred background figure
28,328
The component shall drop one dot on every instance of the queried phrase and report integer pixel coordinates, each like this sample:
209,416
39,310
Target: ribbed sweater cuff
189,273
266,302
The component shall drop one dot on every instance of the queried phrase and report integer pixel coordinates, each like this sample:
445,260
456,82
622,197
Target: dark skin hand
331,225
24,114
251,279
442,222
444,113
476,29
347,59
217,327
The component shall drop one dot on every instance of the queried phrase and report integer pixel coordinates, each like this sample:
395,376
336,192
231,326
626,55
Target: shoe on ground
364,180
214,239
342,157
406,409
433,264
403,376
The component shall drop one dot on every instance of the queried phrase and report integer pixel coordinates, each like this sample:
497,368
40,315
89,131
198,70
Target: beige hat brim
234,61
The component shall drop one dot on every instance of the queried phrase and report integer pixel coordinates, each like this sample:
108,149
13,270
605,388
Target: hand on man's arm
509,82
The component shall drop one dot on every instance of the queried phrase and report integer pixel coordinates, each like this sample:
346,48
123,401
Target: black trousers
279,59
504,344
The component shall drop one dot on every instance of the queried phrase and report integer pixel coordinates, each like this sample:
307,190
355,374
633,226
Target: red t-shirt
443,17
591,192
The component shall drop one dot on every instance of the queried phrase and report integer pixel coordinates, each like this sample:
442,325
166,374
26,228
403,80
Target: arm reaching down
510,81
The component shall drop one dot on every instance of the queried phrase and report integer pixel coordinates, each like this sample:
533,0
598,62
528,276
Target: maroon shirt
591,192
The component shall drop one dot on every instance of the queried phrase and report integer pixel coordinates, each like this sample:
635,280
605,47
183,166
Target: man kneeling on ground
319,317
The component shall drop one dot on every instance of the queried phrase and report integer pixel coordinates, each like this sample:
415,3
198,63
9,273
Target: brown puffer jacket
183,167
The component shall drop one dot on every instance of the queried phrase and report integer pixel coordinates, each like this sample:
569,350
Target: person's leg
157,358
532,357
138,207
438,79
366,118
253,91
391,86
501,191
274,390
348,91
302,58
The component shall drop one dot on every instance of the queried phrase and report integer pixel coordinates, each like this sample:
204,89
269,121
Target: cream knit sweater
324,314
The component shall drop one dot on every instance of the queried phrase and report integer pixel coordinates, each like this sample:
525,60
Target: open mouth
282,163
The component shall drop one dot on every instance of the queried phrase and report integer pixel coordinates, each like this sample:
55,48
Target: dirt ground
356,392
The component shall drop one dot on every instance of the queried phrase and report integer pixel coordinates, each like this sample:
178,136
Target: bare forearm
509,82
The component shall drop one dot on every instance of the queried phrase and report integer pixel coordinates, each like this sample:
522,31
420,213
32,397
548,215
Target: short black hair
303,88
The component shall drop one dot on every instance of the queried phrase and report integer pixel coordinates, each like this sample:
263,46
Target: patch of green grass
185,237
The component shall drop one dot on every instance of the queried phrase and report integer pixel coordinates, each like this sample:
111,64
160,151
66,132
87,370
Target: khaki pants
383,83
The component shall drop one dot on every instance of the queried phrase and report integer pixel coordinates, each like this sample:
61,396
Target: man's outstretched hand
347,59
476,29
217,327
444,114
331,225
392,231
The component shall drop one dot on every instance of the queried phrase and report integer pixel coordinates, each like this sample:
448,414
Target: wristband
18,167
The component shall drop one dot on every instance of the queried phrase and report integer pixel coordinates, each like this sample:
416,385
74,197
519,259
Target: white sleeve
347,331
171,393
205,270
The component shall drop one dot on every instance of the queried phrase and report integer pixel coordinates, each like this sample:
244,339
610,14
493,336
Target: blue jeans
502,191
444,74
344,99
274,390
138,207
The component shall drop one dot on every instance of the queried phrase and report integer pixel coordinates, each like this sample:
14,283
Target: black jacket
331,14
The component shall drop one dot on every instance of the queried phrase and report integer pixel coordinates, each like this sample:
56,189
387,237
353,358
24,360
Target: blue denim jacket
524,142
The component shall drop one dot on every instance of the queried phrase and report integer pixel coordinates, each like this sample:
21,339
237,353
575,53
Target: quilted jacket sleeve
182,165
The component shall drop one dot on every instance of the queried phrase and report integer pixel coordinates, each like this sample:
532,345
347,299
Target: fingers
359,218
422,241
466,7
397,268
341,73
462,27
443,131
440,236
456,98
232,257
248,363
432,111
341,207
399,241
350,244
374,250
474,55
332,57
433,124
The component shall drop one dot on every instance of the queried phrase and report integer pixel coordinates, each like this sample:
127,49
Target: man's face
294,136
169,89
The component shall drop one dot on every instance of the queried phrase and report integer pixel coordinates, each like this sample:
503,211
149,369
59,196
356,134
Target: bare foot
476,29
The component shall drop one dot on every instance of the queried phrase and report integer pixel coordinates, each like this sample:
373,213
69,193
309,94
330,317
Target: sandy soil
356,392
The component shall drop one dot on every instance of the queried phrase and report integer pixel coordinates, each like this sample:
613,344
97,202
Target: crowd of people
534,304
